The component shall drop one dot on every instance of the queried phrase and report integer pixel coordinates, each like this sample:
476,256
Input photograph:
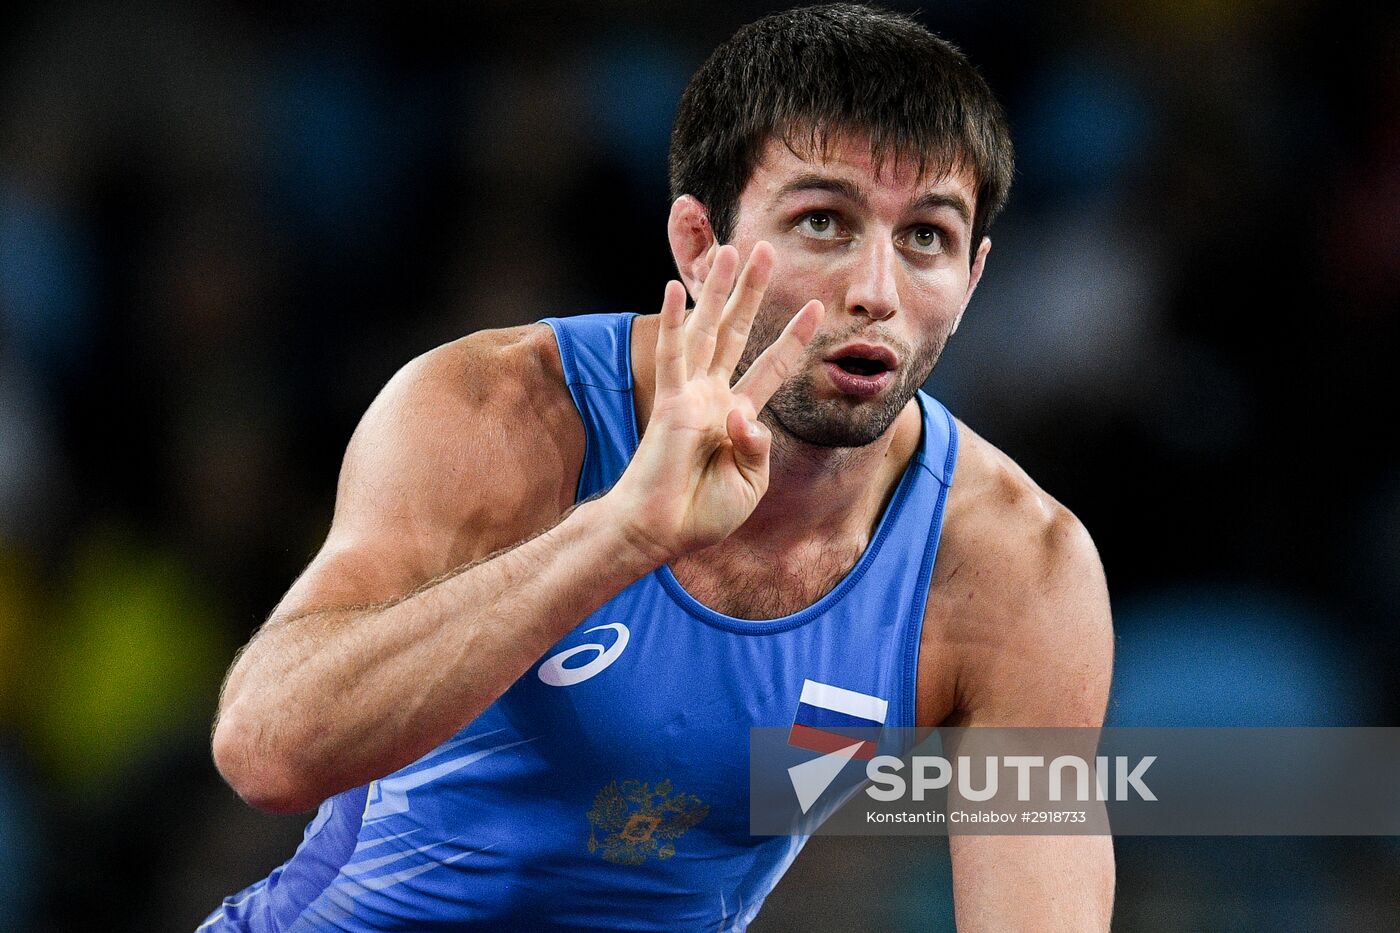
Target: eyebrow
956,204
810,181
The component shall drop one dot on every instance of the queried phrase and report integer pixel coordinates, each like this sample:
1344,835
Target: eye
818,224
925,239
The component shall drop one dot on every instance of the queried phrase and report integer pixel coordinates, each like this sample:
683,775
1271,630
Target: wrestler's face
887,253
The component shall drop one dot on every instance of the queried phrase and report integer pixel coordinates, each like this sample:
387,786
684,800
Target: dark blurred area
224,225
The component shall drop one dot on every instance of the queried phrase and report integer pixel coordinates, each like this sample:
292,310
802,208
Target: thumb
752,440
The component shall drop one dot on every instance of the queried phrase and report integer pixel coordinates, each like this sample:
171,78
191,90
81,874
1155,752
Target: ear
978,264
692,242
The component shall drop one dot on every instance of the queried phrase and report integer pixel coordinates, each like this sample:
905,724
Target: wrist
628,546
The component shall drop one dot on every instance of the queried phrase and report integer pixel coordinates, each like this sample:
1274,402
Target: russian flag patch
824,707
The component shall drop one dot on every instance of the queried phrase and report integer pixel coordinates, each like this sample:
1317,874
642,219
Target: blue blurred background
223,225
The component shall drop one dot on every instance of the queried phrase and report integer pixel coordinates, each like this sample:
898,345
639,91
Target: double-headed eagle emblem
637,821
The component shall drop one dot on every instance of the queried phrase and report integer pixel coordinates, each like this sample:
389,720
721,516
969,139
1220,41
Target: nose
873,290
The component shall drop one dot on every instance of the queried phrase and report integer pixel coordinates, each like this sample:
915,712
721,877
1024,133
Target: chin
835,423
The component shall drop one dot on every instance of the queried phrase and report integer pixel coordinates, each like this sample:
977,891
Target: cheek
799,278
778,307
808,267
937,298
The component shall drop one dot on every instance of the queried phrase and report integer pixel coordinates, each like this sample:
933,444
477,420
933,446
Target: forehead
891,182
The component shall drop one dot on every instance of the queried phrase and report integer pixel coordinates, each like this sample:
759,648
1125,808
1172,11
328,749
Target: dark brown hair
804,74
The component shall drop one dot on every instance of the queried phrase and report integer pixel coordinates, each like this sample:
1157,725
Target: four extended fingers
711,339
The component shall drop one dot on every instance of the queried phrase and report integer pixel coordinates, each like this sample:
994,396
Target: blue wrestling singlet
607,789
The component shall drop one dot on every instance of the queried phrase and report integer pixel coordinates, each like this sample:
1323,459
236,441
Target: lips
864,358
861,369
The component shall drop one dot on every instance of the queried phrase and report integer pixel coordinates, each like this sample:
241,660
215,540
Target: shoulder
479,433
1020,591
485,371
491,389
998,522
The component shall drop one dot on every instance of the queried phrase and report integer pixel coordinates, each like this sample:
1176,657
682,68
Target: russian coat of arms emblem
632,821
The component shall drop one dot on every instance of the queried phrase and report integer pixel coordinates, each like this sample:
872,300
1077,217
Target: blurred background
224,225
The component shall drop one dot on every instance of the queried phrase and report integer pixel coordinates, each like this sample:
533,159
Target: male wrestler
519,712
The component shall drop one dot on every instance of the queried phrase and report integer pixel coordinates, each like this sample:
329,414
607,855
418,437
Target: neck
832,494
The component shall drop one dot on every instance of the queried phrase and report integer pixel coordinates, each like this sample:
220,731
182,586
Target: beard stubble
844,421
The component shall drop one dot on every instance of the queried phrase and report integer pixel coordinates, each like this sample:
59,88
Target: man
517,712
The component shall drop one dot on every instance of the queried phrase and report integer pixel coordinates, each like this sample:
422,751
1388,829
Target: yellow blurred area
16,596
130,652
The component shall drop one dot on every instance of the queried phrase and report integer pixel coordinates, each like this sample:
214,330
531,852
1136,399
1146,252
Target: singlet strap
596,351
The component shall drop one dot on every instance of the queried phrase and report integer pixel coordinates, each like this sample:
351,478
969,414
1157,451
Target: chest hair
736,580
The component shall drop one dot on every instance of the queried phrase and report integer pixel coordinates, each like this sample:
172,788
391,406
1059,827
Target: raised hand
702,465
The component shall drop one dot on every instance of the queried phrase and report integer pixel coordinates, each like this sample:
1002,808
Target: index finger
776,363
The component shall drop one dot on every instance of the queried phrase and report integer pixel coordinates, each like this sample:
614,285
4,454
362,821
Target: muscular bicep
1039,652
467,450
1037,639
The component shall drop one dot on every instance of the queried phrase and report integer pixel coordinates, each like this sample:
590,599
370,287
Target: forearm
1045,884
330,700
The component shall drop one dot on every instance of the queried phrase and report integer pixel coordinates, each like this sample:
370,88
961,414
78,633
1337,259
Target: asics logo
554,673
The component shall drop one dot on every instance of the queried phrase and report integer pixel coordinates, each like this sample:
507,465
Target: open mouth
864,359
860,366
862,370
